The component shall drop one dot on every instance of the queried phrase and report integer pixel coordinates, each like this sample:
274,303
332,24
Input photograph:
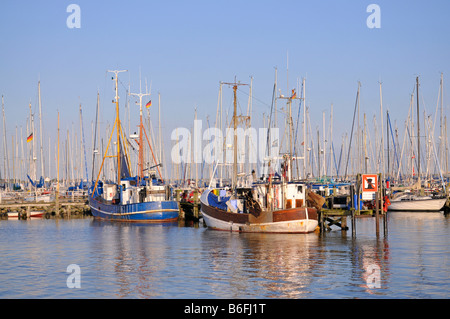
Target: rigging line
104,156
298,120
351,135
253,97
151,149
413,153
124,137
268,128
393,142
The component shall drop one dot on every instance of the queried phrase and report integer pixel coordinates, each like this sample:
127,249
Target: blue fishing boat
131,198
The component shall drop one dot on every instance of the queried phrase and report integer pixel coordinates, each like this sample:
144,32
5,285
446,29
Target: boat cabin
282,195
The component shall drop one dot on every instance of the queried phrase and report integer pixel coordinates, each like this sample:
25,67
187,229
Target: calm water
169,261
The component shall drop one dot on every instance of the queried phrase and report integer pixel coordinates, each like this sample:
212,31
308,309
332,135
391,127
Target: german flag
148,104
30,138
294,94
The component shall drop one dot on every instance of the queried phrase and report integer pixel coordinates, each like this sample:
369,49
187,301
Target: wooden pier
330,216
64,208
338,217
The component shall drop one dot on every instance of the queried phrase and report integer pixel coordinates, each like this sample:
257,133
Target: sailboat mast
5,145
441,148
40,130
304,128
382,131
418,129
234,182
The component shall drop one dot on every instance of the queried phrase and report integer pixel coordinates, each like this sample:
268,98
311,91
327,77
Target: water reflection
280,265
120,260
130,256
423,261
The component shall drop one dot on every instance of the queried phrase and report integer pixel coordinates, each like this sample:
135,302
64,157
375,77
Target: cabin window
300,189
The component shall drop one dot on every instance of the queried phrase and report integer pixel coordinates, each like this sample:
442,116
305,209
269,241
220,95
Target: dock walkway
66,207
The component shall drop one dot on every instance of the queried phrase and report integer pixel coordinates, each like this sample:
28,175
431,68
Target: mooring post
196,203
178,199
353,223
383,191
353,208
321,222
57,204
344,227
377,220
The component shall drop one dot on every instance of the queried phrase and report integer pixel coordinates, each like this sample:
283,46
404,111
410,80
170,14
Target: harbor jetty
366,197
65,207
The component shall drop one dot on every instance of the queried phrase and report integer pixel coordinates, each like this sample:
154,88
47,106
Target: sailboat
413,198
273,206
132,199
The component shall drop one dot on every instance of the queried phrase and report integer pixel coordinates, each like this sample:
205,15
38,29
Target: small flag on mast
294,94
30,138
148,104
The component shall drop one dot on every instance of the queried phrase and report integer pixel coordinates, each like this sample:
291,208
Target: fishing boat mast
235,123
116,124
117,121
141,141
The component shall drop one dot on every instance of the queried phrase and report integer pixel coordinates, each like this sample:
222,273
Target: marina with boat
224,150
284,198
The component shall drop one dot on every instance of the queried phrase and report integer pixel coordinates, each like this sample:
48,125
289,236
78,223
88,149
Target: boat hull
428,205
155,211
294,220
33,214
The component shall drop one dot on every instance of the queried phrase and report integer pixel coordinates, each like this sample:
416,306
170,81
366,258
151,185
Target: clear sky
185,48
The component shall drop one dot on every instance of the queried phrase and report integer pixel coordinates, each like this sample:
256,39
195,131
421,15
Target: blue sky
185,48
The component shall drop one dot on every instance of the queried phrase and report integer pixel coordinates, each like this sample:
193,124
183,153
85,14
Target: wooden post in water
321,221
196,203
178,199
382,205
352,194
344,227
377,220
57,180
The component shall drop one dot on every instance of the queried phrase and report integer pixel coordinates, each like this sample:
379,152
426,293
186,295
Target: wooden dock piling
196,204
330,216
